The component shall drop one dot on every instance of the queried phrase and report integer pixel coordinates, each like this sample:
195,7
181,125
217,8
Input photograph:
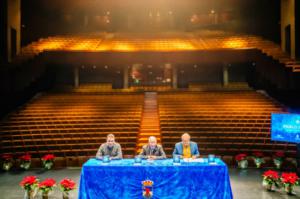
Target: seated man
152,150
110,148
186,148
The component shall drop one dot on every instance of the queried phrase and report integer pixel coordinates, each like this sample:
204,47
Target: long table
121,179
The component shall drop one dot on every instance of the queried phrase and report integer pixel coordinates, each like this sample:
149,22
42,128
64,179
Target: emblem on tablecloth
147,188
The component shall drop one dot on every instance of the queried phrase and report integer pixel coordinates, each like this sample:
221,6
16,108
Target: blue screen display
285,127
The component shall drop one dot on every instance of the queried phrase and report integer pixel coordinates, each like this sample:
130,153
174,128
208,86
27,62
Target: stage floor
245,184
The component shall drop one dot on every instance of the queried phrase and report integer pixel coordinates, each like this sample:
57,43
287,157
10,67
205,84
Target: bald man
152,150
186,148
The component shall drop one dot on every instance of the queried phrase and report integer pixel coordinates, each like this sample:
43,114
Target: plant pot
277,163
48,165
7,166
65,195
25,165
243,164
267,186
258,162
29,194
289,189
45,195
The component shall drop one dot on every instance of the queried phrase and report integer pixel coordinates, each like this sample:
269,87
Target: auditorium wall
201,73
64,75
3,32
10,29
76,16
288,19
19,83
212,73
297,28
13,28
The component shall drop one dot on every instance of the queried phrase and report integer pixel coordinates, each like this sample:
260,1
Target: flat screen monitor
285,127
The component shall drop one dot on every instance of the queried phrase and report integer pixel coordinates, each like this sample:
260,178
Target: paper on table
213,163
193,160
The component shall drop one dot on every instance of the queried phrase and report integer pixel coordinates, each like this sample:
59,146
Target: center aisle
150,125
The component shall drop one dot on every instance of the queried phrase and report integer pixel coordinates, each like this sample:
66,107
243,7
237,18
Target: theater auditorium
160,99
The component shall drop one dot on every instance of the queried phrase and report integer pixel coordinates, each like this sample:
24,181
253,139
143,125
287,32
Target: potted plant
270,178
48,161
7,162
278,159
29,184
289,181
242,161
46,186
25,161
66,185
258,158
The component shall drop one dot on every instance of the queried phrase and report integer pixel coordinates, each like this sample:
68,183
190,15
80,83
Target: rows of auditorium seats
207,39
73,124
239,86
61,43
224,122
199,40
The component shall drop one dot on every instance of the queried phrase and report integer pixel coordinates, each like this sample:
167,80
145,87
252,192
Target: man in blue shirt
186,148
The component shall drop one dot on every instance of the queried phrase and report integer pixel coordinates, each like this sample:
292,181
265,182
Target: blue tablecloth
122,179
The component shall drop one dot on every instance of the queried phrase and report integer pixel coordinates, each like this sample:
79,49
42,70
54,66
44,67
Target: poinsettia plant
240,157
67,185
48,161
25,161
47,185
242,160
279,154
278,158
6,157
289,180
270,178
29,183
258,158
7,161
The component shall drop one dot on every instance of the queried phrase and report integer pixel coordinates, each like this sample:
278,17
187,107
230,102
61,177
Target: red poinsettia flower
48,157
49,182
67,184
270,174
279,154
6,157
26,157
289,178
28,181
258,154
240,157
